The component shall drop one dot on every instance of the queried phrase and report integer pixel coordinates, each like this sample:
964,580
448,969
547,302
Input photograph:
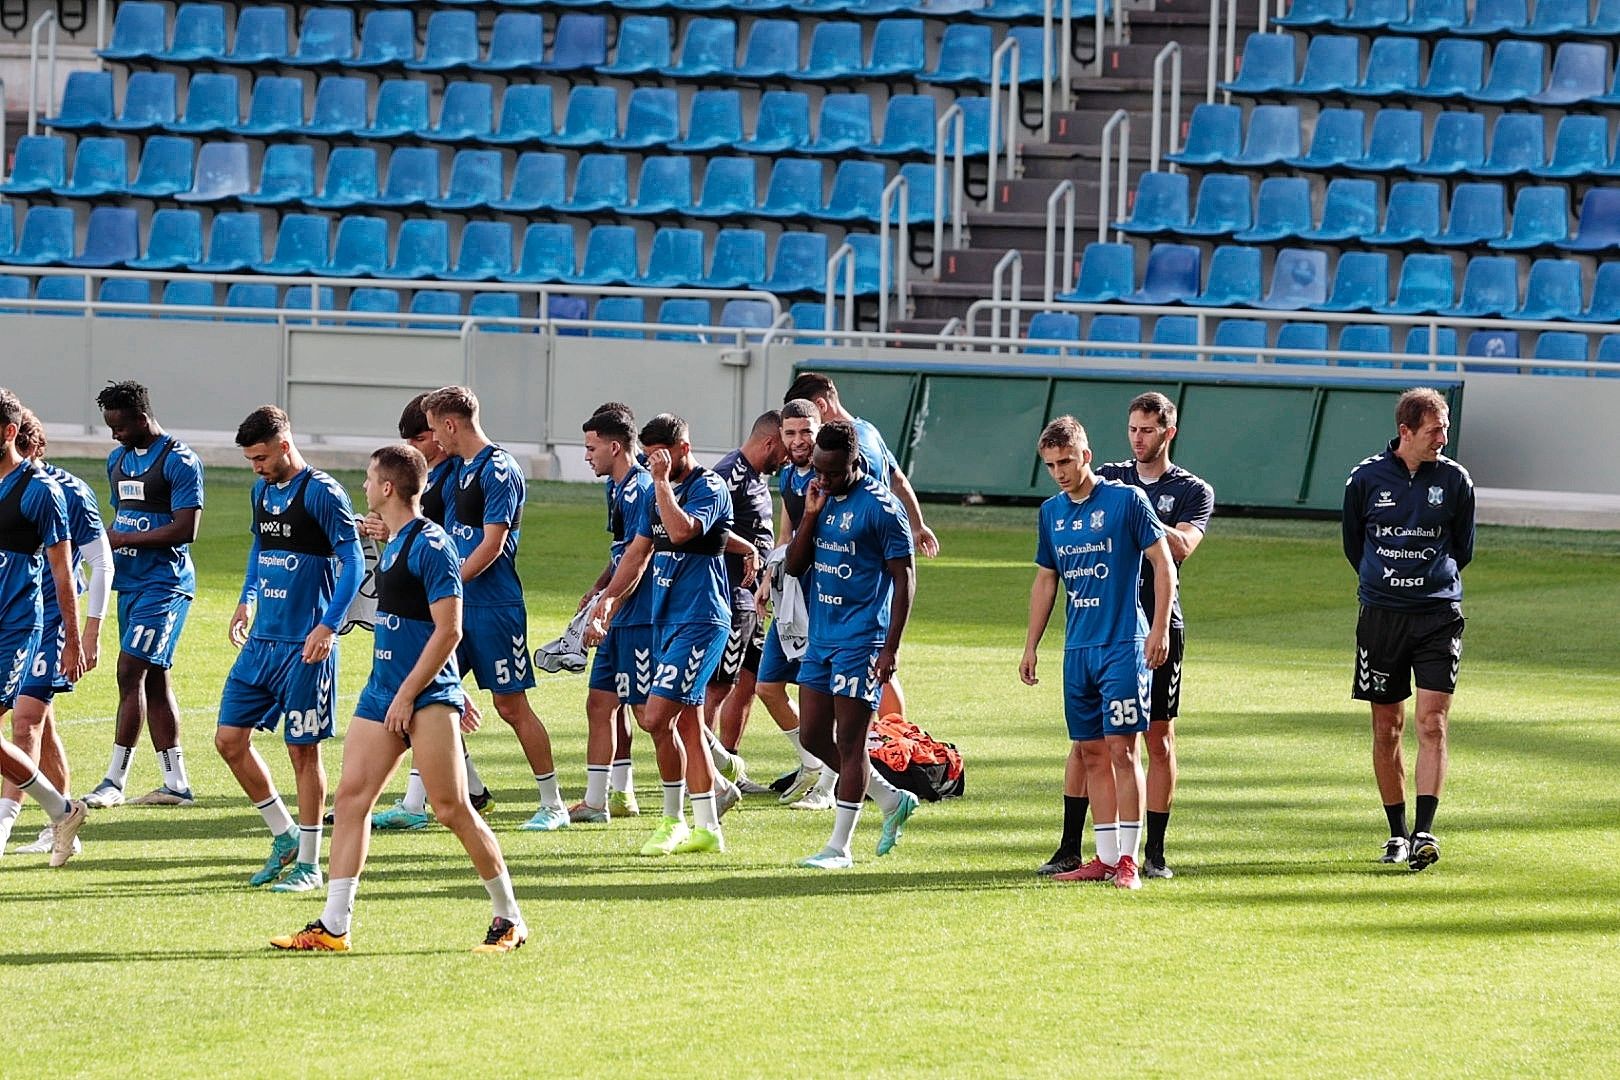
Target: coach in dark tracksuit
1409,531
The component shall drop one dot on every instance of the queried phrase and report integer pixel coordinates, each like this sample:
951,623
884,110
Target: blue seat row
1004,11
360,246
580,42
467,114
1552,18
479,180
1457,71
1360,281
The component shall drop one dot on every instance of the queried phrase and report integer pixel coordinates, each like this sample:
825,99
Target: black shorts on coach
1164,698
1397,648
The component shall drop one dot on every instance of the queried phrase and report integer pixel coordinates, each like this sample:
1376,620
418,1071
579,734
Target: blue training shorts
270,683
495,648
149,624
623,663
44,679
1105,690
17,649
774,666
375,699
842,673
685,660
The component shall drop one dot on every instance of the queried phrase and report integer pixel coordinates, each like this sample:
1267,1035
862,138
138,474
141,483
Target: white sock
885,794
309,845
118,767
44,792
674,798
339,904
475,783
717,750
619,778
550,794
275,815
9,809
501,899
1107,843
173,763
596,786
415,799
1130,838
845,817
828,781
807,760
703,814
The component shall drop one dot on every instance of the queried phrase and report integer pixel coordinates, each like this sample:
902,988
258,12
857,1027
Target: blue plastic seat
730,188
1417,343
149,103
1396,142
526,115
675,260
434,302
222,173
47,237
517,41
1338,137
165,168
919,177
709,48
1605,306
451,41
1412,214
1490,287
592,117
771,51
1273,136
39,164
1599,222
112,238
8,230
652,118
387,39
1518,146
1561,18
899,48
140,30
964,56
1302,337
211,104
1234,278
1427,286
125,291
351,179
663,187
423,250
326,38
476,180
908,126
1492,17
558,308
67,289
738,260
1495,345
799,264
1365,338
1580,72
375,301
261,34
1360,282
187,292
1560,345
1174,330
539,182
340,107
1224,206
1270,64
1580,147
1516,68
496,305
1540,219
1303,13
402,109
1458,145
1113,330
867,264
305,298
302,245
1055,326
1299,280
857,191
100,167
252,297
747,315
808,316
835,52
360,249
1172,275
199,34
625,309
1552,291
87,102
643,46
1432,16
467,113
485,253
611,257
1214,135
1478,215
601,182
1393,68
1282,211
1456,69
579,44
276,106
547,254
781,124
1107,273
1332,66
235,242
844,123
793,190
413,177
1245,337
713,121
173,239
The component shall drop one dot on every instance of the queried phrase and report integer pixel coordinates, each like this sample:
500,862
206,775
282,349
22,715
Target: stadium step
1135,61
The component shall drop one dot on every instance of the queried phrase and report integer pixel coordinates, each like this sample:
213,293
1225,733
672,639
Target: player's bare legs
658,720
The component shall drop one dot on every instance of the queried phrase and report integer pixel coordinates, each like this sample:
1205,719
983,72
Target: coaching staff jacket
1409,535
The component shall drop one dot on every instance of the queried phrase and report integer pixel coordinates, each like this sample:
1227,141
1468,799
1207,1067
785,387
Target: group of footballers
676,618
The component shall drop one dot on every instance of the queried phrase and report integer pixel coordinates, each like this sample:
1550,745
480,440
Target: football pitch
1281,947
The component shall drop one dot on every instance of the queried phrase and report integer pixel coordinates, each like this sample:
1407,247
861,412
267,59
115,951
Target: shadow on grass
168,956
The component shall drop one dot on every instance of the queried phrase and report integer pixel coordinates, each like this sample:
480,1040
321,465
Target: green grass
1280,948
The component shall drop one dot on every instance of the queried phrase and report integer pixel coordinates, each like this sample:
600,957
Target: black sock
1156,823
1074,822
1426,806
1396,812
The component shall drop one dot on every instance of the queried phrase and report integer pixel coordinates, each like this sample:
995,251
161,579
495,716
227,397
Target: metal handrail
1065,39
1064,192
1231,45
1009,46
895,191
958,180
1172,52
48,18
101,29
3,132
1121,121
1015,259
845,255
1214,58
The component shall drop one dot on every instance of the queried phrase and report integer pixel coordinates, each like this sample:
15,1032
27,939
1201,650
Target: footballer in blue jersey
484,515
855,545
412,701
304,569
33,536
157,501
1091,539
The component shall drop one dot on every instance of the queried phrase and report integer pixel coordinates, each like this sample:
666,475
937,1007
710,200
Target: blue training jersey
851,591
879,462
689,580
1096,546
297,529
33,517
418,567
490,490
148,486
84,526
628,503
